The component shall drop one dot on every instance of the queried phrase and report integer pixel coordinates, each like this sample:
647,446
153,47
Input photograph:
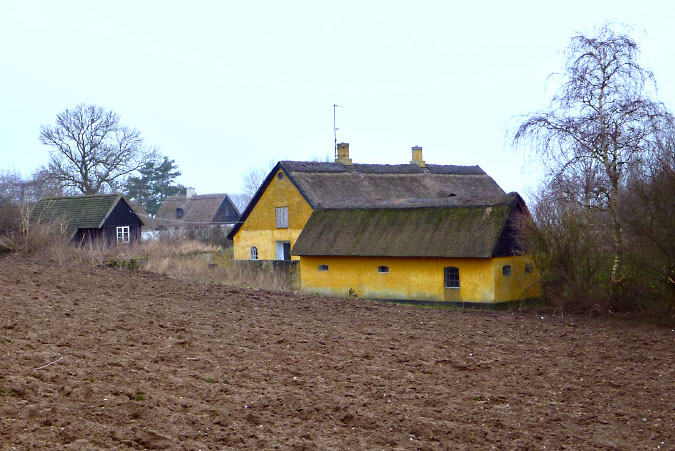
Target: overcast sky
223,86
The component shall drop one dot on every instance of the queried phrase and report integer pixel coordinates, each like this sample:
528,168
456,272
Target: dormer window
179,213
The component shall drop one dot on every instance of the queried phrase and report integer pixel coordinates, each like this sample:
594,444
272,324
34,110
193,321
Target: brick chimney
343,154
417,157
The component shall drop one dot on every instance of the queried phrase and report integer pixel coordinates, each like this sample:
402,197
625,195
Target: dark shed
107,217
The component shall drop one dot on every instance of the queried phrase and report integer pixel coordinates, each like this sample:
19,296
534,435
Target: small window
280,175
282,217
451,274
323,267
123,234
254,253
506,270
529,269
179,213
383,269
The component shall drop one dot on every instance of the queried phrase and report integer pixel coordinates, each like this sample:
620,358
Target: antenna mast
335,129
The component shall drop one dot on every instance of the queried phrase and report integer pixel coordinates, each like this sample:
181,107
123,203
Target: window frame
451,282
383,269
281,217
254,253
123,234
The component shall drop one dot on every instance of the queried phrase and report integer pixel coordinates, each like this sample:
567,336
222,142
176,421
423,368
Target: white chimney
190,192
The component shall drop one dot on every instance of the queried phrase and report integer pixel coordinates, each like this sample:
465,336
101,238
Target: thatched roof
336,185
197,209
72,213
432,228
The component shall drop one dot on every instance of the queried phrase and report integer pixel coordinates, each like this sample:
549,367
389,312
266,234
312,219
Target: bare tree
254,178
602,122
91,151
240,201
16,189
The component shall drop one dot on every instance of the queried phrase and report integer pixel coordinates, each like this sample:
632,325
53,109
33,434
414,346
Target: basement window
123,234
506,270
451,276
383,269
323,267
254,253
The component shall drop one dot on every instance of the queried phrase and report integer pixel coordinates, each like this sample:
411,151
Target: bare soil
146,361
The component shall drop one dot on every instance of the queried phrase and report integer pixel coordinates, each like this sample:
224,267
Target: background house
107,217
192,209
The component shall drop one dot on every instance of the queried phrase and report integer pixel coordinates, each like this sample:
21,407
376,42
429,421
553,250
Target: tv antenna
335,129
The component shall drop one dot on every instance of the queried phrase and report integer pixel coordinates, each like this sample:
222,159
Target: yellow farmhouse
397,232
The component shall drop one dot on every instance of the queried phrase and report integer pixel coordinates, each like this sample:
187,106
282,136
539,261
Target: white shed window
282,217
254,253
123,234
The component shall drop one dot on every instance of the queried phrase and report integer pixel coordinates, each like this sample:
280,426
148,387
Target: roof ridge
84,196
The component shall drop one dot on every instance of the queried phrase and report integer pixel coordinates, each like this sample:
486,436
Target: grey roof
74,213
336,185
198,209
325,167
439,228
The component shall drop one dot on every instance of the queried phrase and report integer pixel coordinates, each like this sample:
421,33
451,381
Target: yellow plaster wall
408,278
518,285
260,227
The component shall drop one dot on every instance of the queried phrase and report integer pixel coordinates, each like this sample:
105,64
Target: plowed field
101,358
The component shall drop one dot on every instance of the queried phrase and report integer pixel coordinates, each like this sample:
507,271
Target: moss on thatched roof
407,231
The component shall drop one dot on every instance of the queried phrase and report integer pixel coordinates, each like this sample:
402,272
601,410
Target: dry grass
179,258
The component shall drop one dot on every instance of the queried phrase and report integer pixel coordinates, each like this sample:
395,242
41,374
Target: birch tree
602,122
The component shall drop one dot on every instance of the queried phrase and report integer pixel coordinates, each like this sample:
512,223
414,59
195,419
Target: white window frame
282,217
254,253
123,234
279,246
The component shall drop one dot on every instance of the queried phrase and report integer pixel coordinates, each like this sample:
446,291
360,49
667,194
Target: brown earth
137,360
